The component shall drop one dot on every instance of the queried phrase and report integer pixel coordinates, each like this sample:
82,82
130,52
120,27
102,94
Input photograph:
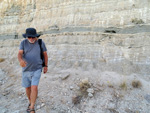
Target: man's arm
46,61
21,61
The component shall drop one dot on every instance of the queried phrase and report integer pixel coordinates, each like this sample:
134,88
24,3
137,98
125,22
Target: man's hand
46,61
45,69
23,63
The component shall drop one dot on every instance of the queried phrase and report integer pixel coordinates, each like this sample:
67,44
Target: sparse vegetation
110,85
123,86
2,60
136,84
76,99
112,110
137,21
84,85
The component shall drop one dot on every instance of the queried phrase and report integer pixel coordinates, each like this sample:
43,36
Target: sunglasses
31,37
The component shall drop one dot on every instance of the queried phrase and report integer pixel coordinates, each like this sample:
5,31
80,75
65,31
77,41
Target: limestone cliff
106,35
55,16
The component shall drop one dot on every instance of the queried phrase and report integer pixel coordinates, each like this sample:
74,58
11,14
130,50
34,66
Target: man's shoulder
25,40
40,41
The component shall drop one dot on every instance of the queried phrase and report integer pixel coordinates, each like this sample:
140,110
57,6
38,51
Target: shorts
30,78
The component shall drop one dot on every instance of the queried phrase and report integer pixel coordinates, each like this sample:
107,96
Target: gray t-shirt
31,54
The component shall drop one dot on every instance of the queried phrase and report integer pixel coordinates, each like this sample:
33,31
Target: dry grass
11,75
76,99
110,85
123,85
137,21
2,60
113,110
84,85
9,85
136,84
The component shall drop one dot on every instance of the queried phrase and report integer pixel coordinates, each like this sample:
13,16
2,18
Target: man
29,57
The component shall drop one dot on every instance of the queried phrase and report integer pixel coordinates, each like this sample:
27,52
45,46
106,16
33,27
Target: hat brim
25,35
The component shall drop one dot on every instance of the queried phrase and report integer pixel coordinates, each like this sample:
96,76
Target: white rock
64,76
77,79
38,107
85,80
90,94
90,90
71,87
111,105
43,104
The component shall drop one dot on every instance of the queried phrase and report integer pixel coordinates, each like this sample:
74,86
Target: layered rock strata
72,15
124,54
92,34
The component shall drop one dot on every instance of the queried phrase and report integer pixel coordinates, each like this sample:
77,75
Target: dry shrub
123,86
113,110
136,84
82,92
110,85
137,21
76,99
2,59
84,85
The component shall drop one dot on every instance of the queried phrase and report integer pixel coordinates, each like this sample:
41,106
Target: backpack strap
40,44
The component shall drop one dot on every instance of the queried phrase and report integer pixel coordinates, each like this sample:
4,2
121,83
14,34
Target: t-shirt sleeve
44,47
21,46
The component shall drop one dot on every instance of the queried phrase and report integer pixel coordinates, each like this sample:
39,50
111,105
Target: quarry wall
105,35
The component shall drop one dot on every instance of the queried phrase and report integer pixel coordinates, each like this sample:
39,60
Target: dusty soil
60,91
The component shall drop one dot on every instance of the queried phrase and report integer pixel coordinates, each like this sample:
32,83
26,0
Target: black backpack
42,56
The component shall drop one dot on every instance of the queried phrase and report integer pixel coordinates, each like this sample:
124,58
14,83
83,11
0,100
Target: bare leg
33,96
28,93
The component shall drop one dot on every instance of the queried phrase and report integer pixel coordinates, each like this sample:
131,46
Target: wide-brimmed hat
30,32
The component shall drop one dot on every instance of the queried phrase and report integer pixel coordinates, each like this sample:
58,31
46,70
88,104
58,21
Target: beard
32,42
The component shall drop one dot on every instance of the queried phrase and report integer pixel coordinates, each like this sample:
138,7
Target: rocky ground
90,43
74,90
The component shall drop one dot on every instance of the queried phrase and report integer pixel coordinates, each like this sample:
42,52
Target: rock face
54,16
122,53
92,34
107,35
